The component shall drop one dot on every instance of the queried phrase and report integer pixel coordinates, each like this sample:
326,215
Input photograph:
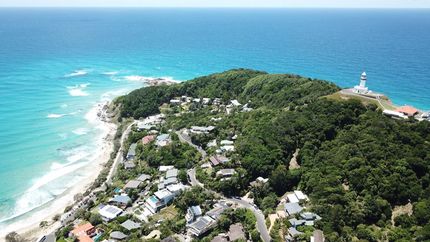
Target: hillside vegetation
355,163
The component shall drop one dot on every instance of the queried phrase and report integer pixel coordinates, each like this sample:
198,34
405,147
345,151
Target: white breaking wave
80,131
110,73
54,115
77,73
78,90
137,78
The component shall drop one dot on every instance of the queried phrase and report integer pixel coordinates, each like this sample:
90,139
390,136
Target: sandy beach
28,225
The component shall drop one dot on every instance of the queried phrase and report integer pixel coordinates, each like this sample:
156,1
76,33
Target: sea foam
54,115
78,90
77,73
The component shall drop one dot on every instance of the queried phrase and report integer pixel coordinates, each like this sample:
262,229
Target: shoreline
28,226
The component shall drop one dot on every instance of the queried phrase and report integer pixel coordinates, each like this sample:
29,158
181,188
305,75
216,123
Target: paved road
192,177
183,137
118,158
261,222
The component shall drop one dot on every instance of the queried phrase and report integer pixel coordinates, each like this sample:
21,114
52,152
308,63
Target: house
206,100
164,195
175,101
236,232
212,143
163,183
294,232
148,139
292,198
143,177
408,111
193,213
227,148
165,168
130,225
300,195
131,152
153,204
296,222
259,182
144,126
309,218
394,114
175,189
226,142
202,130
219,238
216,212
83,232
235,103
163,140
132,184
218,159
293,208
171,173
128,165
120,200
117,235
201,225
225,173
109,212
317,236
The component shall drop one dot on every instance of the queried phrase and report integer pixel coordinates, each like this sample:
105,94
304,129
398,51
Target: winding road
261,222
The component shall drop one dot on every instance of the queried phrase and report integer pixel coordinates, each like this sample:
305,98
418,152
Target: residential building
202,130
193,213
300,195
117,235
235,103
132,184
109,212
225,173
408,111
218,159
148,139
130,225
163,140
128,165
171,173
83,232
143,177
293,208
201,225
292,198
394,114
131,152
236,232
317,236
120,200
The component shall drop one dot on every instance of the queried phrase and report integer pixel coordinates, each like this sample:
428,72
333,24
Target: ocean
56,64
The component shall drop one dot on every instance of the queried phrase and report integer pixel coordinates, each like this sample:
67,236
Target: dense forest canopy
356,164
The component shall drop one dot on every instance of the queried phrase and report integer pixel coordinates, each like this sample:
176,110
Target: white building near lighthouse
362,89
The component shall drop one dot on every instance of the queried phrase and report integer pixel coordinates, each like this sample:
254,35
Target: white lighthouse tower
362,89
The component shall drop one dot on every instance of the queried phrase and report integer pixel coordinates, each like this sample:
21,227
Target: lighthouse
361,88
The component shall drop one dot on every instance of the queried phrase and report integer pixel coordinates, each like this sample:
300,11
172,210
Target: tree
43,224
95,219
13,237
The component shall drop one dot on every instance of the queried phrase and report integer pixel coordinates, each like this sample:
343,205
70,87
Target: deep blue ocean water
45,139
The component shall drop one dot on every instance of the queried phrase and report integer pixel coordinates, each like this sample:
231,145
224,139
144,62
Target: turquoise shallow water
44,135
